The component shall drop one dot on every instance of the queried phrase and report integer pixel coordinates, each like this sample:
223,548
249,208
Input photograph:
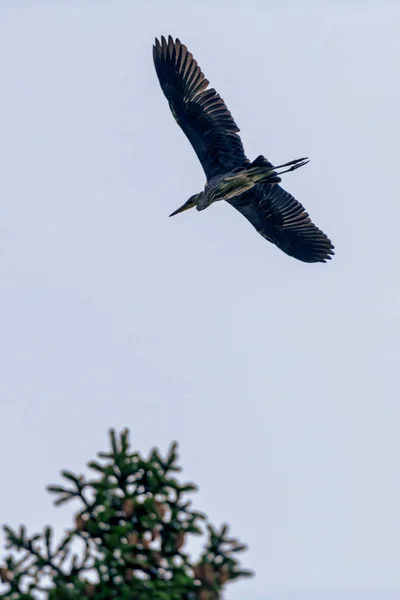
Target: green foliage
128,538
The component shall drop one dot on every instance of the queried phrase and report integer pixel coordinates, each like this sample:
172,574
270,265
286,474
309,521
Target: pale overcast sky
279,379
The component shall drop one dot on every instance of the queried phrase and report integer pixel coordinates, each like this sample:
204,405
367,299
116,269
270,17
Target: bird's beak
191,203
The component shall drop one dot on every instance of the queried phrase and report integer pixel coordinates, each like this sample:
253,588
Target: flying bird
250,187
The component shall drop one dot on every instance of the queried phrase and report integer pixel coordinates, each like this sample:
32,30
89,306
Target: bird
252,188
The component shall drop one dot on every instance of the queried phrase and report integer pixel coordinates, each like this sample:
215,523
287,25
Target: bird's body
236,182
250,187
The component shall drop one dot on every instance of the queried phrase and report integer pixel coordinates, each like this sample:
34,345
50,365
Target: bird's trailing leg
262,171
261,164
293,165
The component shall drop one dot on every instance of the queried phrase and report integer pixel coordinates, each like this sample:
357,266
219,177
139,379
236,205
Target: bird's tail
261,170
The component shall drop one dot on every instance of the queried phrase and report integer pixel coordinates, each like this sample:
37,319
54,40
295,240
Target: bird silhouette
252,188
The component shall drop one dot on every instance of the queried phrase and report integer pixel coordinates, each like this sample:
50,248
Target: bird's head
191,203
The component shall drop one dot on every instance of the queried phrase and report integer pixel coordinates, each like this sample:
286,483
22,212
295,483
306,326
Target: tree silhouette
127,539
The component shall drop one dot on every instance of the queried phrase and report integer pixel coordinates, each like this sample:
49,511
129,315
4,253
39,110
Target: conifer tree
128,537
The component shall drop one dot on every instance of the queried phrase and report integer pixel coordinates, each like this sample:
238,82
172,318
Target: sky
279,379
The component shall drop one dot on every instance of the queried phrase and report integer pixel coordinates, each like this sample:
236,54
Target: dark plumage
252,188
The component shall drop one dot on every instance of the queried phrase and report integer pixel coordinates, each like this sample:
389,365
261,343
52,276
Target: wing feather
282,220
199,111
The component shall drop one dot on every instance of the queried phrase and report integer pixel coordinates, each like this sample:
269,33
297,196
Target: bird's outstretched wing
282,220
200,112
